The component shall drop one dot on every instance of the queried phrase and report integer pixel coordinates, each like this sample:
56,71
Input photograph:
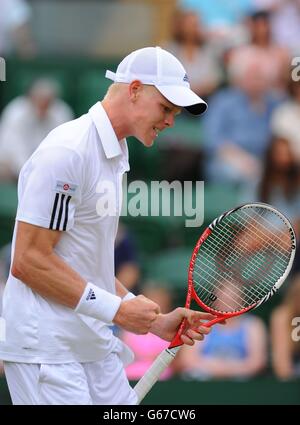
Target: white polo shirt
61,187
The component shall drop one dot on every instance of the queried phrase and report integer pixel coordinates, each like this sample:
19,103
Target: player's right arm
37,265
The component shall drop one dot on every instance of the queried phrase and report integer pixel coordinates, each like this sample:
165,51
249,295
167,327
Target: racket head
241,260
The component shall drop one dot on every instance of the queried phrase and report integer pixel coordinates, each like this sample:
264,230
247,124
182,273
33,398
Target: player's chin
148,141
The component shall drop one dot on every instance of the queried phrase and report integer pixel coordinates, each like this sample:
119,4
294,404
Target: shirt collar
107,135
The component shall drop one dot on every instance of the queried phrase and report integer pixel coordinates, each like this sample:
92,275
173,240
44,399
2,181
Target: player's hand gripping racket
238,263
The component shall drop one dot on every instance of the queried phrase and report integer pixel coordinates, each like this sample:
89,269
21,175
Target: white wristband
98,303
128,296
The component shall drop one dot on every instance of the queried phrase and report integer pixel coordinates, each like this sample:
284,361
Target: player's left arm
166,325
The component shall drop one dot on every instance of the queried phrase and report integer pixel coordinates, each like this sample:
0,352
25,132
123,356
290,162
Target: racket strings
218,260
244,295
241,249
275,235
205,297
267,243
224,252
246,298
262,213
230,255
228,271
261,235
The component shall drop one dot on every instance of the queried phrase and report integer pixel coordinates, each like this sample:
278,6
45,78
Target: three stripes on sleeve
60,212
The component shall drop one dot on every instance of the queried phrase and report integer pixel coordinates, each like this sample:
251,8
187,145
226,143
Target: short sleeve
50,188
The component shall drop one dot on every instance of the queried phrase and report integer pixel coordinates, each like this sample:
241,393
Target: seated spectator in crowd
285,337
285,22
147,347
286,118
237,350
236,127
26,121
15,32
280,183
224,19
126,263
276,58
190,47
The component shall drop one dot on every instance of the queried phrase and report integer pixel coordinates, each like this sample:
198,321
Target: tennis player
61,294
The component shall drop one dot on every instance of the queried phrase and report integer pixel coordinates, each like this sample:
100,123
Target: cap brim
184,97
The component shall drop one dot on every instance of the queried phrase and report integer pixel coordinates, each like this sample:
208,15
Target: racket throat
177,342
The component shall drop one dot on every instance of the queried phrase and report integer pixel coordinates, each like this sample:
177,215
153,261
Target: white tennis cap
157,67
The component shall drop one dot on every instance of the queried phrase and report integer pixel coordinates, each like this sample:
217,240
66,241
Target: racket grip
153,373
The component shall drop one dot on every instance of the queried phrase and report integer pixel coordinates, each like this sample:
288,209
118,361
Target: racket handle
153,373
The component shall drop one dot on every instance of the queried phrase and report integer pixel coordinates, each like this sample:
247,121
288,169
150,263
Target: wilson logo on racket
212,297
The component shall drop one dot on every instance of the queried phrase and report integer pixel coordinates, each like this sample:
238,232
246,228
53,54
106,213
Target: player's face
152,114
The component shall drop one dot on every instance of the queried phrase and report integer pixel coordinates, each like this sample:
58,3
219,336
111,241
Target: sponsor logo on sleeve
65,187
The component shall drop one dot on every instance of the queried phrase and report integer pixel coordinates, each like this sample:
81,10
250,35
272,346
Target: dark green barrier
259,391
4,394
8,208
264,391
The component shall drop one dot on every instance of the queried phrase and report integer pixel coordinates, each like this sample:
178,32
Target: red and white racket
239,262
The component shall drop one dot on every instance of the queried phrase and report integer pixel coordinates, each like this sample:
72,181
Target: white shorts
102,382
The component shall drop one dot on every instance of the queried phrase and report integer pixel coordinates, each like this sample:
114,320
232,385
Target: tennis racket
238,263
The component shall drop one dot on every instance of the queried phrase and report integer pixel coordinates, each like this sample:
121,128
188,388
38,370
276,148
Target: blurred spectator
126,263
236,350
223,19
280,185
147,347
26,121
276,58
237,124
285,20
15,34
286,119
286,345
190,47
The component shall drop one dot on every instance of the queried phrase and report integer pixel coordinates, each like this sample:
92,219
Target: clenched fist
137,315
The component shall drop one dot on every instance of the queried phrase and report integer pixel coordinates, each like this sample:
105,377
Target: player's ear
135,88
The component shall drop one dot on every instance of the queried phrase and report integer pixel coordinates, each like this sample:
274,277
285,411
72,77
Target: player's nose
169,120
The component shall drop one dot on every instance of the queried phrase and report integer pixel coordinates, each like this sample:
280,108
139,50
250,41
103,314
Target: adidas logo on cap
186,78
91,295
